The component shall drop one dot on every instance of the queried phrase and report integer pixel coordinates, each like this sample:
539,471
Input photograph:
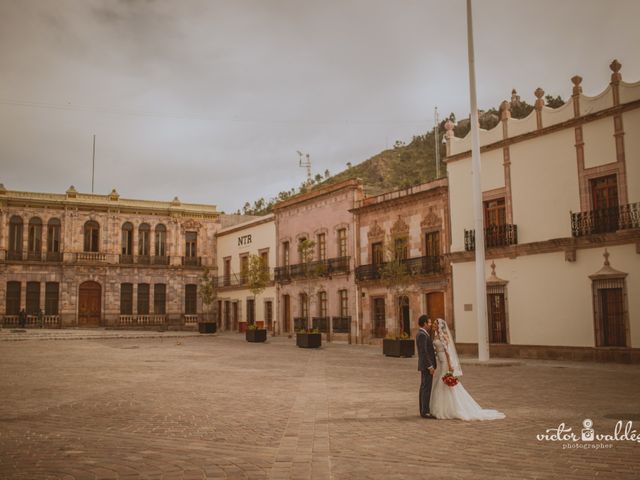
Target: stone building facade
236,304
318,292
100,260
561,193
411,225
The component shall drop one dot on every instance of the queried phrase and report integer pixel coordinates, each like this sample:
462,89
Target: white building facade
236,304
561,193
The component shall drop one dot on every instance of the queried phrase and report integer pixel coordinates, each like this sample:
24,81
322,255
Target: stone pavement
217,407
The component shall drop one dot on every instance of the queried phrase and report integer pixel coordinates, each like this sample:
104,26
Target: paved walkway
199,407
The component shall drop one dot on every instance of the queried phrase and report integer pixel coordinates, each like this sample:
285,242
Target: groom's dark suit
426,360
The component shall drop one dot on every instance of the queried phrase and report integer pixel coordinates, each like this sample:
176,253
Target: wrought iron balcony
319,268
300,323
54,256
320,323
341,324
192,261
415,266
494,236
605,220
160,260
14,255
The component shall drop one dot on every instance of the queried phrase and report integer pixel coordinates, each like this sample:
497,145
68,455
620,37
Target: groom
426,364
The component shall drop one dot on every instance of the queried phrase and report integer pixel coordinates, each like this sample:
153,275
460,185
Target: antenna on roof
305,161
436,118
93,164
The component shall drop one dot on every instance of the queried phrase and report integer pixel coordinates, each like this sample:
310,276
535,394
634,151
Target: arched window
53,236
15,238
144,239
161,241
34,248
127,239
91,236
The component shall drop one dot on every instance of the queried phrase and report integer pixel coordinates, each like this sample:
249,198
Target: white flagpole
481,287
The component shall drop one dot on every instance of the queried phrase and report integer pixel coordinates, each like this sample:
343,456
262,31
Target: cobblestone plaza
183,406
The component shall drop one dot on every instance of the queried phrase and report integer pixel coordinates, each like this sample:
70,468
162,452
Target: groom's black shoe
428,415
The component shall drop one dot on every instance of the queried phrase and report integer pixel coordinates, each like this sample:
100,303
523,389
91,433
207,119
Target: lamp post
481,286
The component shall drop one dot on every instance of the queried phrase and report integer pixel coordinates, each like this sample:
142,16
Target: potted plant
255,334
208,295
398,345
308,338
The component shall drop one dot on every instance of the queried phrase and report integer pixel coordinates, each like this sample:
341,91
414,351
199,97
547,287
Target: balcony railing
192,261
430,265
300,323
236,279
126,259
141,320
91,257
160,260
34,256
48,321
144,260
341,324
622,217
320,323
54,256
494,236
319,268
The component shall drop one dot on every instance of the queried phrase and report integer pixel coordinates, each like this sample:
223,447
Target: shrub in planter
256,335
398,346
308,339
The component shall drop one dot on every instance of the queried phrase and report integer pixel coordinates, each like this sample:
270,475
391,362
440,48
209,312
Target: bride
452,402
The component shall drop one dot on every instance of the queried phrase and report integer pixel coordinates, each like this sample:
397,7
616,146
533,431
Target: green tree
395,274
208,293
309,273
257,275
553,102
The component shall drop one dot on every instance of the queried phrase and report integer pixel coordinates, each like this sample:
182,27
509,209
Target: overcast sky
210,99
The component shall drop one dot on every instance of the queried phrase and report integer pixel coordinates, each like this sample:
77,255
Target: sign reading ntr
244,240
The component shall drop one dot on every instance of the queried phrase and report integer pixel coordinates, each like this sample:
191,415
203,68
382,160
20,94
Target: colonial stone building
561,191
411,226
319,291
236,304
100,260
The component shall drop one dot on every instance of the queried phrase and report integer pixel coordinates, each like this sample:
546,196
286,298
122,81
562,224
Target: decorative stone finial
493,268
577,80
448,126
607,271
505,110
539,93
606,258
2,189
493,278
114,195
615,67
71,192
175,201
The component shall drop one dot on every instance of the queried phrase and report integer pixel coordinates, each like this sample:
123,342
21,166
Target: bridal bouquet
450,379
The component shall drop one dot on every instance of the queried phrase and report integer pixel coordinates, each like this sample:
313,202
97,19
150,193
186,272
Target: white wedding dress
454,402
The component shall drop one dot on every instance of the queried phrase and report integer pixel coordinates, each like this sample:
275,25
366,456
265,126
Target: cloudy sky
209,100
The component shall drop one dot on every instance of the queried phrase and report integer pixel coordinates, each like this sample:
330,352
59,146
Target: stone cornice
551,246
571,123
314,193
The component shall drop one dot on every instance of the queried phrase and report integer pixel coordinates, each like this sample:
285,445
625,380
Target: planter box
256,335
398,348
207,327
308,340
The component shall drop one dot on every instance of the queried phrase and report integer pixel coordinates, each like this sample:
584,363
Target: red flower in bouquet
450,379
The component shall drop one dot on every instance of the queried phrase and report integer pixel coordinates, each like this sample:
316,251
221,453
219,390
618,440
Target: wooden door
405,317
227,315
235,316
604,199
435,305
612,317
268,315
89,304
497,318
378,318
286,313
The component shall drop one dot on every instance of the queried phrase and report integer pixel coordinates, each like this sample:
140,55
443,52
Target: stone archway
89,304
